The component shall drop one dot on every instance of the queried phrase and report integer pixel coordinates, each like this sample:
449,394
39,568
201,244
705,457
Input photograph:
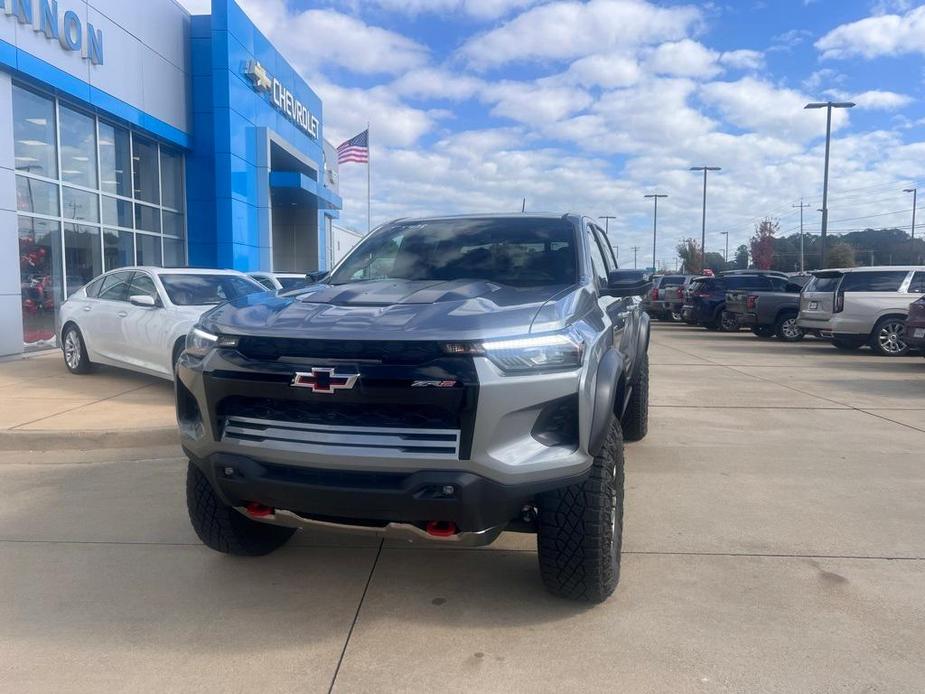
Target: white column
11,341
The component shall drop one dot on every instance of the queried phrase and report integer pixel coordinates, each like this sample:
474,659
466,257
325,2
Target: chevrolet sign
283,99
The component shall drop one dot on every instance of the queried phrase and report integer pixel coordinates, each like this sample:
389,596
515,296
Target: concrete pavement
774,541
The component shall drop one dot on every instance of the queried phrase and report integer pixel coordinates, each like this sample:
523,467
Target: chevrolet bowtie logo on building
258,75
283,100
324,380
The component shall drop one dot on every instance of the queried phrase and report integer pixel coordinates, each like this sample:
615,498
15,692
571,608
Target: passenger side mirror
316,276
142,300
628,283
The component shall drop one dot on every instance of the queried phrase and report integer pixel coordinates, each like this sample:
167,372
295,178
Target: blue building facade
257,173
133,133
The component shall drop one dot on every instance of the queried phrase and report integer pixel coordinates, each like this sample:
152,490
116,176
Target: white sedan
137,317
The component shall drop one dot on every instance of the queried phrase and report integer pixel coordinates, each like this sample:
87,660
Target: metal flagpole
369,158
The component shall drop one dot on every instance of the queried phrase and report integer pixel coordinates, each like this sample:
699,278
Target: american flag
355,149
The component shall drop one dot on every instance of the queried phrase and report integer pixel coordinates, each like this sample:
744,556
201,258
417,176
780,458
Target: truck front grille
342,440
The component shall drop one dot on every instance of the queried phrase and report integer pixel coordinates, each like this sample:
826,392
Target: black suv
705,301
451,378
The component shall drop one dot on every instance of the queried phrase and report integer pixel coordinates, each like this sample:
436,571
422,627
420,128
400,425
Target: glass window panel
171,179
174,252
917,286
115,286
79,205
34,133
873,281
173,224
148,249
33,195
144,156
118,248
115,160
78,148
117,212
142,284
40,279
147,218
82,259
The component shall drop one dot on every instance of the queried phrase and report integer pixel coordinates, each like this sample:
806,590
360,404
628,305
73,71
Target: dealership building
134,133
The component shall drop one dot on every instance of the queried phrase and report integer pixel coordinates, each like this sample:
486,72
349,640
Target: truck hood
397,310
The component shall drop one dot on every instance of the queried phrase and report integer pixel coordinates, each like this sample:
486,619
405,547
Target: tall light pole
915,194
828,106
606,218
726,252
802,205
703,226
655,197
635,248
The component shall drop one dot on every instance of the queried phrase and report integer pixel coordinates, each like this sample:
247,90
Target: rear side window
115,286
823,284
93,289
757,282
206,290
917,286
875,281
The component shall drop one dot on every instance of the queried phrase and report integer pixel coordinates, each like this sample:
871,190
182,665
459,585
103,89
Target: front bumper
384,503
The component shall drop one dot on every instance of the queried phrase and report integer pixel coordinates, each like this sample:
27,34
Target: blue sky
586,105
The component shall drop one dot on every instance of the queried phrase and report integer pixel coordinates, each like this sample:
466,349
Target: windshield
206,290
522,252
290,283
672,281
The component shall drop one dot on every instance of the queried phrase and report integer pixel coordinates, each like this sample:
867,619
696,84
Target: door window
917,286
142,284
877,281
609,260
115,286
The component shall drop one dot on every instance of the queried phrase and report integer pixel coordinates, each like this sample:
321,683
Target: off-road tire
846,345
75,351
580,529
636,418
780,328
224,529
763,331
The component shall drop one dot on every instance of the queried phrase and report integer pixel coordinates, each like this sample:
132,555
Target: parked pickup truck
705,302
769,313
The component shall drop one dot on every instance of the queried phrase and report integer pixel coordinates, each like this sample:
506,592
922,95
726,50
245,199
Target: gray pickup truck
769,313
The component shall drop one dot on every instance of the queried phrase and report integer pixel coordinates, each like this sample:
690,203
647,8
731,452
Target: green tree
840,254
690,254
741,258
715,262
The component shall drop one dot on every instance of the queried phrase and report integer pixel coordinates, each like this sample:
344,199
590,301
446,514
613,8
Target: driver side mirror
621,283
316,276
143,300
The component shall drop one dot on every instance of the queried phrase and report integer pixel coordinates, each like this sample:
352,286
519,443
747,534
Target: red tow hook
259,510
441,528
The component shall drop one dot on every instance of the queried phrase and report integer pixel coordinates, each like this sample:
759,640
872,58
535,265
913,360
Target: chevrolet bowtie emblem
324,380
258,75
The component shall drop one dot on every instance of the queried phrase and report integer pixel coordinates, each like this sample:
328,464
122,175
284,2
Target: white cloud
569,29
478,9
684,58
877,99
742,59
607,70
437,83
533,103
880,35
753,104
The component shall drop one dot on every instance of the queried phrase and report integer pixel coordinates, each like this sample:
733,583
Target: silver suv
451,378
864,305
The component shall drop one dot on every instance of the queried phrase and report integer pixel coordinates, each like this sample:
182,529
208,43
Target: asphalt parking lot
774,541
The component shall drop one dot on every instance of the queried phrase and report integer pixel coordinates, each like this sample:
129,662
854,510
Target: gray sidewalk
774,542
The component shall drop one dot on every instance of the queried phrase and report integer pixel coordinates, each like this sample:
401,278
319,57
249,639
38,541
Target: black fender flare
606,389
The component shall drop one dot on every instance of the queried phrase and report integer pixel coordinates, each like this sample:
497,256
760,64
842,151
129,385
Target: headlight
199,342
561,350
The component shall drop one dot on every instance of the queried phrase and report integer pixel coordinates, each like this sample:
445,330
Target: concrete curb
87,440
